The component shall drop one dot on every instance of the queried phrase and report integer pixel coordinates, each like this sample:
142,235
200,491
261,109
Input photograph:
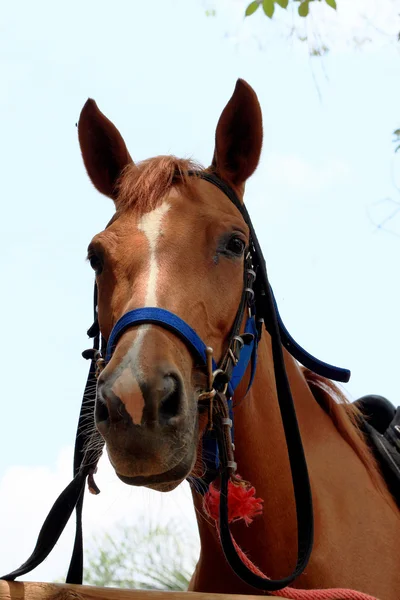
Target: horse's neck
260,452
262,459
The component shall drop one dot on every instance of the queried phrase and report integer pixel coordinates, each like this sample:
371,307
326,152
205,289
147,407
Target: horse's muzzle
134,400
146,423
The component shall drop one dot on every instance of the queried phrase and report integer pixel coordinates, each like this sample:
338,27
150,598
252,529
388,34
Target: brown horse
177,242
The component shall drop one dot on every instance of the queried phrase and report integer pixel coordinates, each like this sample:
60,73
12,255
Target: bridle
258,302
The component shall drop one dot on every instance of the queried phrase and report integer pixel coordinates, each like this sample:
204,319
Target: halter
222,380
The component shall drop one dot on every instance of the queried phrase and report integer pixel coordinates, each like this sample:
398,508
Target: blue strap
248,353
305,358
209,442
163,317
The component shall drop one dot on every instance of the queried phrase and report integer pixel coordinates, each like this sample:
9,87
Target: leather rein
222,379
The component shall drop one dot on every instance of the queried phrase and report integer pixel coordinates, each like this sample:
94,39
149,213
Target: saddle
381,427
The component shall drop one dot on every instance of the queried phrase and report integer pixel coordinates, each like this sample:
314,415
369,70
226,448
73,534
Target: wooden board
21,590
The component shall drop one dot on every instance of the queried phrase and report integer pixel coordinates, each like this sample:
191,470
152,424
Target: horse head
178,243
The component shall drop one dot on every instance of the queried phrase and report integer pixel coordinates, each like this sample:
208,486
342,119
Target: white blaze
150,224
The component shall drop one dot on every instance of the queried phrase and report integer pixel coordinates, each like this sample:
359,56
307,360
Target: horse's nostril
171,401
101,411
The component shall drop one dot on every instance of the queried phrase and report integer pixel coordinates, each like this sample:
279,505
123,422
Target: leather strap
164,318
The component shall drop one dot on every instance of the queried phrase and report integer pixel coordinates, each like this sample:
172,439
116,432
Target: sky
162,71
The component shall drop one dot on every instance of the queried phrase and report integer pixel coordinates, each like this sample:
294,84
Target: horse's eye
95,263
236,246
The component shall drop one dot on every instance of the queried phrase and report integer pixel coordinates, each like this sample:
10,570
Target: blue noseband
173,323
164,318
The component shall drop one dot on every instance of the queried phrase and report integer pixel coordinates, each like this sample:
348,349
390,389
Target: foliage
396,140
269,6
142,557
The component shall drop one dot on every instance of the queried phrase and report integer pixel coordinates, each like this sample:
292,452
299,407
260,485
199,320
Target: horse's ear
103,149
238,138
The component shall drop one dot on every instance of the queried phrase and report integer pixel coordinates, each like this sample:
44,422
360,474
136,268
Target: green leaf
252,7
331,3
268,7
303,9
396,132
282,3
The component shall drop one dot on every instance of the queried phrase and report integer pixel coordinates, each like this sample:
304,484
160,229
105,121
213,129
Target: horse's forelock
142,186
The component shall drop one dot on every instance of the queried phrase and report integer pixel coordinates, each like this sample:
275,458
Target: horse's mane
143,185
347,419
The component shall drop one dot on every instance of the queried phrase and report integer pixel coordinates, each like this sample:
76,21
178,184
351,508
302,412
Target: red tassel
242,503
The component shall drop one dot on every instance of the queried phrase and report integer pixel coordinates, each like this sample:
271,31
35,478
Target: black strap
297,460
85,461
82,456
299,472
53,526
305,358
83,434
60,513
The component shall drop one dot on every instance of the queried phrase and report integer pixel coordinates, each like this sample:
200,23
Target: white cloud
27,493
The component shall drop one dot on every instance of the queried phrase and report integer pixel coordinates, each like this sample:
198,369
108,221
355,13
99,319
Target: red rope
242,504
295,594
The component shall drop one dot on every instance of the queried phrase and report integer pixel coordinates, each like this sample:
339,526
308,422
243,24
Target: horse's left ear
103,149
238,138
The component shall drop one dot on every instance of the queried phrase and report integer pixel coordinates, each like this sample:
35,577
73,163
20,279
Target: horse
177,242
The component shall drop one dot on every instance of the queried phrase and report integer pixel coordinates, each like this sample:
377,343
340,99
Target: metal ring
217,372
234,358
208,395
226,421
239,339
252,274
250,291
221,372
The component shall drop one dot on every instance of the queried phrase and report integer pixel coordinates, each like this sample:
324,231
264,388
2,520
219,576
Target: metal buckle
250,292
252,275
210,392
239,340
233,356
236,348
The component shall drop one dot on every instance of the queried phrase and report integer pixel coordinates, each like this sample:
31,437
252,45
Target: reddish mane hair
143,185
347,419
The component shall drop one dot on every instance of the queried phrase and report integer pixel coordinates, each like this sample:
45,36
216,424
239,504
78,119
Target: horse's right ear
103,149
